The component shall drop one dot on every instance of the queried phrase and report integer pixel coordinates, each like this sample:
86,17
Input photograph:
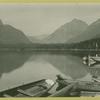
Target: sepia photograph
49,50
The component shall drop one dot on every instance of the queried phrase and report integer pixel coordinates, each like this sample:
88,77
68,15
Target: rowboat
83,85
91,60
34,89
89,94
64,92
65,88
89,87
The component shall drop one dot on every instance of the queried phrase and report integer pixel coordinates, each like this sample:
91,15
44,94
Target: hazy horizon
39,19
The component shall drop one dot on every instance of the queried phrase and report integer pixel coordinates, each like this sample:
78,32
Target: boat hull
33,89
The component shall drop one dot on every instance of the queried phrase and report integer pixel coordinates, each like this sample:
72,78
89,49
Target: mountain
37,39
92,32
41,37
11,35
33,39
67,31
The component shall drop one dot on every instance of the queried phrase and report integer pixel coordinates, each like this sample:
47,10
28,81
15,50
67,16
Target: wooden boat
89,94
90,86
64,92
96,80
34,89
84,85
91,61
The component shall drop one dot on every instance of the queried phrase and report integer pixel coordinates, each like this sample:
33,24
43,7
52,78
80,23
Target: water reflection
10,61
68,64
16,68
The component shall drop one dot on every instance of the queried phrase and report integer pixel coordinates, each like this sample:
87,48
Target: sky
39,19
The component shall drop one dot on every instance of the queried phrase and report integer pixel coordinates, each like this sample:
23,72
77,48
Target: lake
18,68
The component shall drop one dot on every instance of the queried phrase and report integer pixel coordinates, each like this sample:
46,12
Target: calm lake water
20,68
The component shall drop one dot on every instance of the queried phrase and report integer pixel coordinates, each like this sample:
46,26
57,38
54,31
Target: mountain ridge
92,32
66,32
11,35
